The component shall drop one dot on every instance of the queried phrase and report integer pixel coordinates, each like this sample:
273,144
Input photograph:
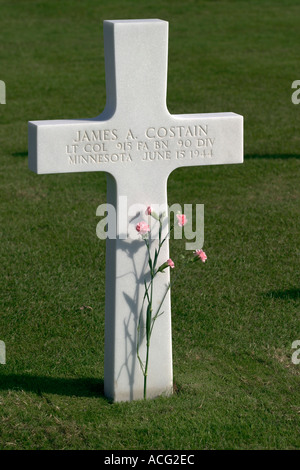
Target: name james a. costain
171,132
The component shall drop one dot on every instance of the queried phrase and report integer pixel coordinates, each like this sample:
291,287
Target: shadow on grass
20,154
283,294
275,156
83,387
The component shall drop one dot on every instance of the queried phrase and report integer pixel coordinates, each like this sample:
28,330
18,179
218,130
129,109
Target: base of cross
139,395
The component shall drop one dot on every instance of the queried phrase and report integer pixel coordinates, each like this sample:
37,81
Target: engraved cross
138,143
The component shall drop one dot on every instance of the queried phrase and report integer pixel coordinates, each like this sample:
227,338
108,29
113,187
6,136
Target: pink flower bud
200,255
148,210
171,263
182,220
142,228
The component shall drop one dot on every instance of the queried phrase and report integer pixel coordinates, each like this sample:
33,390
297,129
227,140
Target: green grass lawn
235,319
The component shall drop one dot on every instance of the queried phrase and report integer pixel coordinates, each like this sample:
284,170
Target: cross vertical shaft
136,70
136,58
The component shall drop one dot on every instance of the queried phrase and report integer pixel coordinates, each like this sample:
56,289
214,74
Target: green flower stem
148,334
148,297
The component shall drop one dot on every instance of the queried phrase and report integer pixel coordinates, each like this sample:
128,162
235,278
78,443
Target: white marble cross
138,143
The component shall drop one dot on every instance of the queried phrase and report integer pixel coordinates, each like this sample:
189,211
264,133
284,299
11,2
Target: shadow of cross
138,143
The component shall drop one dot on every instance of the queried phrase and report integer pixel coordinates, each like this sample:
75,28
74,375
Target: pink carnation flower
142,227
182,220
171,263
201,255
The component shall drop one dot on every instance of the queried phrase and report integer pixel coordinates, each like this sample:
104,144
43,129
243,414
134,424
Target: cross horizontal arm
110,145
